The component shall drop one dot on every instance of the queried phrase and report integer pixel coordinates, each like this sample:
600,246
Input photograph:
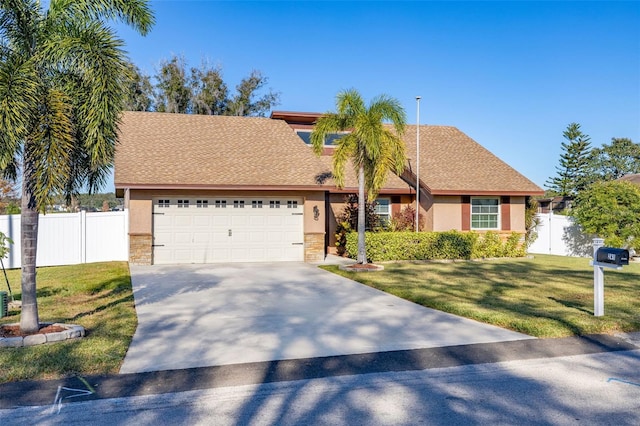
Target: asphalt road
593,380
600,389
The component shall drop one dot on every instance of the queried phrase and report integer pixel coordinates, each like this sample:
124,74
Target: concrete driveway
217,314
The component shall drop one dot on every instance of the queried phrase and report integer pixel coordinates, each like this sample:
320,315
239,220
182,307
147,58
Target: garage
227,229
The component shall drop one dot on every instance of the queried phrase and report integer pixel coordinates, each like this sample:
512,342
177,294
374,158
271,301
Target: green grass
547,296
97,296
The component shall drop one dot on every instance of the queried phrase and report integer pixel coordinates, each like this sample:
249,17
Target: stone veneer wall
314,247
140,250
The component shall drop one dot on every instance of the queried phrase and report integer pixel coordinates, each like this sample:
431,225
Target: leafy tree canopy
610,210
612,161
199,90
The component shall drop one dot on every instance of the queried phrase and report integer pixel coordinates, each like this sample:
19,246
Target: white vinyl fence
560,235
72,238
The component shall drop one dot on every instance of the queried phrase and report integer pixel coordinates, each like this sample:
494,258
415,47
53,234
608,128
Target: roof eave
492,192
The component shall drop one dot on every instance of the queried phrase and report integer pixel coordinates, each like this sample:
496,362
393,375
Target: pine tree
574,163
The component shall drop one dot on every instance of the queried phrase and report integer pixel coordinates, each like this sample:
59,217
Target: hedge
385,246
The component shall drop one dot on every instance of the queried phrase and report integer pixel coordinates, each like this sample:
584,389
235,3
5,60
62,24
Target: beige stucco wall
140,215
314,202
427,210
447,213
518,207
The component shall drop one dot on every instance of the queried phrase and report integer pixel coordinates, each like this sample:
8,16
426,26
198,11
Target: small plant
4,245
4,251
348,221
405,220
531,222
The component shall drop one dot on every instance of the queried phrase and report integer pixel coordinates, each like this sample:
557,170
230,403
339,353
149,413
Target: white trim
388,214
498,214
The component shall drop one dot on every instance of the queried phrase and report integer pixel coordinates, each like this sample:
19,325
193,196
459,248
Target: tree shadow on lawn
529,310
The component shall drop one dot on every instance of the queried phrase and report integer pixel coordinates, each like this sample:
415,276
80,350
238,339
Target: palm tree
63,74
371,146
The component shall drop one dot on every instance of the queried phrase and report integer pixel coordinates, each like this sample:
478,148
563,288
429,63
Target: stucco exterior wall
447,213
518,207
427,210
314,213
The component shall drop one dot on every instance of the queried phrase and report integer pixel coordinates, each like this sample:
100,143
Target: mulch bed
14,330
363,266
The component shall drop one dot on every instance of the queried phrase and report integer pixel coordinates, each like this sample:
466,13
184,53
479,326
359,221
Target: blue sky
511,75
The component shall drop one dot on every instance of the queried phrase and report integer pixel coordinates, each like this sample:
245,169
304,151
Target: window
256,204
383,210
484,213
221,204
274,204
202,204
238,204
164,203
329,140
183,204
292,204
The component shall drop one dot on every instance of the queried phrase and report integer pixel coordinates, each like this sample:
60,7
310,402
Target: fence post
598,281
83,236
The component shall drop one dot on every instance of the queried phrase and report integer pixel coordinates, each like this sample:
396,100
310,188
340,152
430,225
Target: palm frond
369,143
97,74
49,147
19,23
135,13
18,95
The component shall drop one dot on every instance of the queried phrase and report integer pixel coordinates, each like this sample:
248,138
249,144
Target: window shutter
505,213
466,212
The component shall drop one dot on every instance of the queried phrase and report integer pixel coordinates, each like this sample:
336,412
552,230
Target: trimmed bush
387,246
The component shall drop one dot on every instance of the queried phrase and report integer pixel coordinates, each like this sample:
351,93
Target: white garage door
219,229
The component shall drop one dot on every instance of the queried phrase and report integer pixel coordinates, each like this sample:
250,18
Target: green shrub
388,246
489,245
515,246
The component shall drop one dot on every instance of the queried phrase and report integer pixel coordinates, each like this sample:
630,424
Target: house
203,189
557,204
634,178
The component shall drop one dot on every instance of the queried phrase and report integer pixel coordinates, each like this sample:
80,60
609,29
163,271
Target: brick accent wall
140,250
314,247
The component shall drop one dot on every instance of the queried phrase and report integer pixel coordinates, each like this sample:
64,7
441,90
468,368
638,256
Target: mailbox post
598,280
604,257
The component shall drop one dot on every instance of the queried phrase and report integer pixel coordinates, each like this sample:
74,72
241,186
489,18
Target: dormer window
329,140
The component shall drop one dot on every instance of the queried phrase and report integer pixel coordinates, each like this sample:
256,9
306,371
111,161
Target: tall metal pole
417,162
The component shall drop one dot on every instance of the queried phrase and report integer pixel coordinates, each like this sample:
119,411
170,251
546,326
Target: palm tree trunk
29,320
362,253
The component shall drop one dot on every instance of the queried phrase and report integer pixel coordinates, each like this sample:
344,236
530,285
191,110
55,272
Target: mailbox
613,256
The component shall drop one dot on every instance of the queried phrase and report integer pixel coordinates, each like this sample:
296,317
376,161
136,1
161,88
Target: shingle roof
452,162
178,149
633,178
161,149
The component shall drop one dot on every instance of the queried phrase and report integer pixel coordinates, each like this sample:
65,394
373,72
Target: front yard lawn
97,296
547,296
